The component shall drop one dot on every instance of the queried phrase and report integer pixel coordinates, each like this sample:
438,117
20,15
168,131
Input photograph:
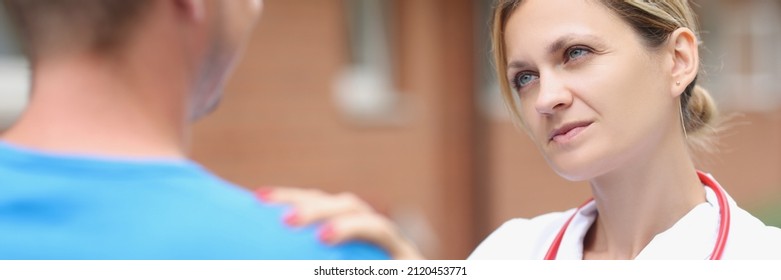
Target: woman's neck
640,200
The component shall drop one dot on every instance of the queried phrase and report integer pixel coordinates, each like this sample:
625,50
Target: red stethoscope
721,240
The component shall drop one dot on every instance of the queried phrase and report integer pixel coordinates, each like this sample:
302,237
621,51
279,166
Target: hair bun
701,110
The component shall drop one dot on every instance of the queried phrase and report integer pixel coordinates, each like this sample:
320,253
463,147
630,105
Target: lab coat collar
692,237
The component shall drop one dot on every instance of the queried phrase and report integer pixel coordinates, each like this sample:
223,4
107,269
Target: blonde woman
607,91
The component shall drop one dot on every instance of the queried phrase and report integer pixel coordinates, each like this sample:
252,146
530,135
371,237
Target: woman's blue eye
523,79
576,53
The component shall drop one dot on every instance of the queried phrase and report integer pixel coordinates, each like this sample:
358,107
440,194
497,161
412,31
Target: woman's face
592,96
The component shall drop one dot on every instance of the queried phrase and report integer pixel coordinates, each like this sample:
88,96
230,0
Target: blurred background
396,101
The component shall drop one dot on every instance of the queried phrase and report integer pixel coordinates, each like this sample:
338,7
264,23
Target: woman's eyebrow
565,39
557,46
517,64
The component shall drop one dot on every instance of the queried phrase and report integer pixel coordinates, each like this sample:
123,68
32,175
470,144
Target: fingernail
263,193
326,233
291,218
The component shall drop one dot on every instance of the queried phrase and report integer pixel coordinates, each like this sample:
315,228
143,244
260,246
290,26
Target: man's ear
193,9
686,60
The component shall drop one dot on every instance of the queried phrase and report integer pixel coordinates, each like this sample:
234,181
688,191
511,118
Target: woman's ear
686,60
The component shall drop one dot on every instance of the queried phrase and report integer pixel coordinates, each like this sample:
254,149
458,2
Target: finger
287,195
312,205
367,227
320,208
296,198
370,227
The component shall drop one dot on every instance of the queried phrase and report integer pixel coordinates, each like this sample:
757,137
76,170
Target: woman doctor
607,91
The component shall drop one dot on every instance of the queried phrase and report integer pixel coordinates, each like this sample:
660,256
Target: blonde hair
654,21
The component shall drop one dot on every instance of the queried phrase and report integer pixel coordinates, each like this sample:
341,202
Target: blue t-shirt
76,207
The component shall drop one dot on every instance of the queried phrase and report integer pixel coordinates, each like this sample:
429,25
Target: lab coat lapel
692,237
571,247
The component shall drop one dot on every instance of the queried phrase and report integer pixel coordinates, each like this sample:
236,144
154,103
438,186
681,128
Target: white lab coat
692,237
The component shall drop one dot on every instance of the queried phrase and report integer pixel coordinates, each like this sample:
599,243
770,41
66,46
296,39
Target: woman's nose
554,95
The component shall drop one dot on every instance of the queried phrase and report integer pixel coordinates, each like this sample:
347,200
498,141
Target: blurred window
741,58
14,75
8,44
489,97
365,91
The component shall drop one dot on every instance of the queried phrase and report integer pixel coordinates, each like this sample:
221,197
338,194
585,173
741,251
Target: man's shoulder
250,229
237,225
135,210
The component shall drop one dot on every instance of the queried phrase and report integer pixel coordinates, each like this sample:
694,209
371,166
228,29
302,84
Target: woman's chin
573,176
573,170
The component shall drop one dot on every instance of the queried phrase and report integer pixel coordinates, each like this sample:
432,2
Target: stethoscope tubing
724,220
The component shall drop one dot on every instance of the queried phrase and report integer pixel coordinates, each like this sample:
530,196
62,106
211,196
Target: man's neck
108,107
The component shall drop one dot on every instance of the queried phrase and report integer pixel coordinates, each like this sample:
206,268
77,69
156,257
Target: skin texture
137,100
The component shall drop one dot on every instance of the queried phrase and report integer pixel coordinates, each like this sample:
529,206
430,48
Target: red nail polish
326,233
291,218
263,193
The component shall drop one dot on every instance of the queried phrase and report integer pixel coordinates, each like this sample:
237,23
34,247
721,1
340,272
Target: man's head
209,35
44,26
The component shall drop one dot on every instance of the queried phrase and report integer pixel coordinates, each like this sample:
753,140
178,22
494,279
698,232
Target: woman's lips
568,131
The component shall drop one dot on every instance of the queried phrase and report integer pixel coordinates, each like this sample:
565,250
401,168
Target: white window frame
364,92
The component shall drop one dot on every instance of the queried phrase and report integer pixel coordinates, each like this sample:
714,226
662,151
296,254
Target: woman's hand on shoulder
344,217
